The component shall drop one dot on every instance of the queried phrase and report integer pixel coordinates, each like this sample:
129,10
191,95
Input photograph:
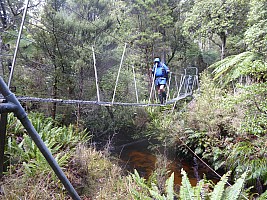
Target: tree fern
232,67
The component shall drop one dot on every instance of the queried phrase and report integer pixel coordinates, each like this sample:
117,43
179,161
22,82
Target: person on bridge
160,72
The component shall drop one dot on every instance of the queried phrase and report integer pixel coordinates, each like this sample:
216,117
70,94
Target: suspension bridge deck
100,103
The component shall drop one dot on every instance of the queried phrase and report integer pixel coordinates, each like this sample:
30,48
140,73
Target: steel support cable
153,83
179,91
206,164
117,80
168,86
18,42
83,102
176,84
96,79
135,85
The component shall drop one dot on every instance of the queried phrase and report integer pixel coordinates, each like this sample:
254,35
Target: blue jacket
161,70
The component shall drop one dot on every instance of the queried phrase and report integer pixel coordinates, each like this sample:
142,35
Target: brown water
139,158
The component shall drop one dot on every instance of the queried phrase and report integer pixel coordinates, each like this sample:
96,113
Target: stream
136,155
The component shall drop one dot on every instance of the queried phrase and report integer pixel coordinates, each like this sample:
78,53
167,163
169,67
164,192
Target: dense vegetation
225,124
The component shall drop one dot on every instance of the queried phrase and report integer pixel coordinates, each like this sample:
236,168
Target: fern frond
263,196
219,187
186,190
232,67
234,191
199,190
169,187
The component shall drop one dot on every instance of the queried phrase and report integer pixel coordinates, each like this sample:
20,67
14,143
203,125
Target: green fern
169,187
219,188
57,140
151,191
186,190
263,196
234,191
232,67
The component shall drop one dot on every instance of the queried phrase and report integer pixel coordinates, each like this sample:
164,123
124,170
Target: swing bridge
10,103
180,91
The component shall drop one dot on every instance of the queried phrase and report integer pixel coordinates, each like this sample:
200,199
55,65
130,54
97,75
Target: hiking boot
161,98
164,96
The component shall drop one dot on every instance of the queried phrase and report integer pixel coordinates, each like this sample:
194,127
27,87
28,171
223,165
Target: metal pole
18,41
3,122
96,79
118,74
22,116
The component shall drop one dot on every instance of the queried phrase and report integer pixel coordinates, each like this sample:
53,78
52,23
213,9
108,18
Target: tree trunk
223,47
54,95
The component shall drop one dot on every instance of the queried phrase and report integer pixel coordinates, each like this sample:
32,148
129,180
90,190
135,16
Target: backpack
160,71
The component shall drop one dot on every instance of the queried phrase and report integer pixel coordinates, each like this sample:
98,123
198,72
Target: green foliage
203,190
255,35
217,122
220,191
250,156
125,91
263,196
215,19
219,187
233,67
151,191
235,191
22,149
186,190
254,107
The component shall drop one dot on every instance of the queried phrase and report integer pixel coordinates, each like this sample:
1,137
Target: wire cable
206,164
18,42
